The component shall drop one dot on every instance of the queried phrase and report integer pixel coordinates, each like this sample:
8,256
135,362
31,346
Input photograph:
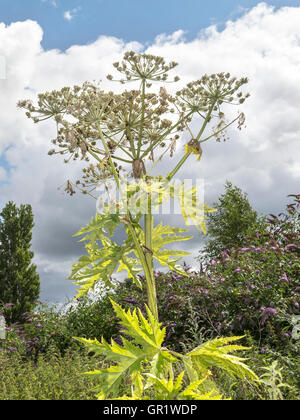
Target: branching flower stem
164,135
219,131
146,262
94,151
142,118
185,157
118,145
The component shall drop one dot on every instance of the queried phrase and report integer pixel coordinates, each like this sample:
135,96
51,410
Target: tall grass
51,378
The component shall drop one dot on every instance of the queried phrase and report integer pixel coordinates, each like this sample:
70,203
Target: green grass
51,378
61,378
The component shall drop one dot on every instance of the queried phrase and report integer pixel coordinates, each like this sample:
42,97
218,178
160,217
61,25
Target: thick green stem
147,266
178,166
151,288
148,222
150,285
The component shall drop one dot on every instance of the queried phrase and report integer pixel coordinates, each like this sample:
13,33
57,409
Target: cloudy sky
47,44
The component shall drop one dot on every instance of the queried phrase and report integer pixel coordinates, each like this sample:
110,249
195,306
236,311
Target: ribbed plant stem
145,261
151,288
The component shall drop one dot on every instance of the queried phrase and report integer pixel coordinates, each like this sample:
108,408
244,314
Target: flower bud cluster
143,66
129,126
213,90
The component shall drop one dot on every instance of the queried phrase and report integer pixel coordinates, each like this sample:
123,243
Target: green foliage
92,318
164,235
217,353
149,365
233,220
51,377
146,347
272,378
56,373
100,263
44,332
19,282
192,211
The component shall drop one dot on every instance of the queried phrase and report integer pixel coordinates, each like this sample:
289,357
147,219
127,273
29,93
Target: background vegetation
251,287
19,281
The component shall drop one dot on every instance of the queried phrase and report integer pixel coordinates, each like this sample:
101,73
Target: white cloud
3,174
263,159
2,67
67,15
70,14
52,2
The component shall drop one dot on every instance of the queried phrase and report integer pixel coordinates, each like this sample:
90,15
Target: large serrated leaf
146,339
100,263
217,353
164,235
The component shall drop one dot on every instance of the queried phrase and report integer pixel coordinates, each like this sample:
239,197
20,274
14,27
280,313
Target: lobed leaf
146,337
216,353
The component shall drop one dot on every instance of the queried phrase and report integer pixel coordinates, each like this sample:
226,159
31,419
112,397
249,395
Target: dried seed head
173,146
133,120
69,189
241,120
138,168
215,89
144,67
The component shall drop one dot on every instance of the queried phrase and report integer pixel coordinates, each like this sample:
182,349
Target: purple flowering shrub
38,333
258,284
254,288
232,295
51,331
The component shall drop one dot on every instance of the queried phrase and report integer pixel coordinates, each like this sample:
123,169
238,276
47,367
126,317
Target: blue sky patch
69,22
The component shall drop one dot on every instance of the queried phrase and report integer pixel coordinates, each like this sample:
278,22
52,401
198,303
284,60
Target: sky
68,22
47,44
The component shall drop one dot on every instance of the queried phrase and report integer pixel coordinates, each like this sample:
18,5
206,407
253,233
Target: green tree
233,220
19,282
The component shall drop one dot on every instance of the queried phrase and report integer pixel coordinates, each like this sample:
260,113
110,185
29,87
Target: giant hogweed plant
136,129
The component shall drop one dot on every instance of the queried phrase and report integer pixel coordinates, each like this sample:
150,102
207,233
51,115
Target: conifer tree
233,220
19,282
